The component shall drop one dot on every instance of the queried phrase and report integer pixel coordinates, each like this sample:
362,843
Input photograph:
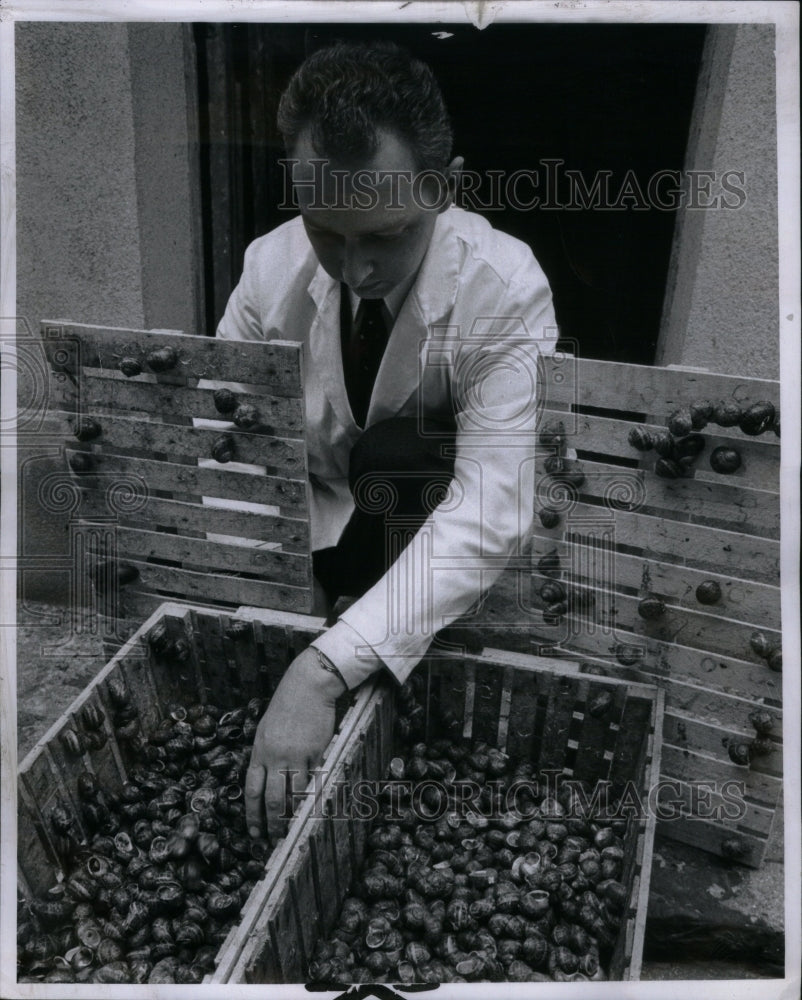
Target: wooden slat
708,633
604,436
635,722
710,836
694,734
35,855
523,707
559,714
100,390
291,533
751,511
127,434
703,548
268,564
487,700
741,600
659,391
598,734
171,678
679,763
730,811
289,494
273,364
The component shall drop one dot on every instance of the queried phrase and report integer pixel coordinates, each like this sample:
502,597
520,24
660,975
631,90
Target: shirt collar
392,301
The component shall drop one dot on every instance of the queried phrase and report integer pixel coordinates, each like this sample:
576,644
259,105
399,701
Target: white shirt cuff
349,652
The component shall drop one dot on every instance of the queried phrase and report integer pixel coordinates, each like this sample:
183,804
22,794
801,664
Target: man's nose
356,265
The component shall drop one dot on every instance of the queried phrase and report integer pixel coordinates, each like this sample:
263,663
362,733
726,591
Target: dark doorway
579,104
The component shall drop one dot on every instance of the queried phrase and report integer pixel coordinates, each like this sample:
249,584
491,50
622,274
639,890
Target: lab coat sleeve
242,319
468,539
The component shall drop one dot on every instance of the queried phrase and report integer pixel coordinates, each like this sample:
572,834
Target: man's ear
452,175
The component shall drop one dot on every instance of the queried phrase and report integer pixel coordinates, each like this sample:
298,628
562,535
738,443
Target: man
421,328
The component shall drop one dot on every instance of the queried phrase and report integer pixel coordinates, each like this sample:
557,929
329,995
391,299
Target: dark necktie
363,344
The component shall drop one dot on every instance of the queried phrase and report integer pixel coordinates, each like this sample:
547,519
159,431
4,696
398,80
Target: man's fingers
254,792
283,789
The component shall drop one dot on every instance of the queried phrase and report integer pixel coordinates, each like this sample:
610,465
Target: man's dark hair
347,91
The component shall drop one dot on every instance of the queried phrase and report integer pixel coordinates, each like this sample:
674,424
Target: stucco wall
722,300
106,212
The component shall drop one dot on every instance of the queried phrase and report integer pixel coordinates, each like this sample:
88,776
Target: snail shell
726,413
164,971
130,367
162,360
113,972
86,429
640,439
680,423
246,416
225,401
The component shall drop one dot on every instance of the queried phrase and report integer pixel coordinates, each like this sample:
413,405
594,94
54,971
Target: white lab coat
465,342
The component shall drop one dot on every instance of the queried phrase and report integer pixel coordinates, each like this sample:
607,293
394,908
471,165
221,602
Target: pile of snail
151,892
484,893
681,444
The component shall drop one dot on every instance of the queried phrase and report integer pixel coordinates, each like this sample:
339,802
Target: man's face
369,223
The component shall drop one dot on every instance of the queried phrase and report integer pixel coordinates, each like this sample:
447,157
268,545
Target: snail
667,468
701,414
690,446
640,439
224,449
549,518
725,460
708,592
246,416
762,720
225,401
726,413
130,367
757,418
680,423
651,608
86,429
162,359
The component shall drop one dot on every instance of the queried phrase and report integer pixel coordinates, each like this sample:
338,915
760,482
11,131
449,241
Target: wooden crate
527,706
625,532
223,667
154,500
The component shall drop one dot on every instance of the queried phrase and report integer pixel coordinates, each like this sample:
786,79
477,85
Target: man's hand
291,736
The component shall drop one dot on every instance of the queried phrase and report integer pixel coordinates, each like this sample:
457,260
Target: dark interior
597,97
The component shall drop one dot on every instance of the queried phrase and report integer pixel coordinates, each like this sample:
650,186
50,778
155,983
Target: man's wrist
327,664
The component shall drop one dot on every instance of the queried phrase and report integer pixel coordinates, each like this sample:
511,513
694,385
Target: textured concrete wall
165,134
722,302
105,208
78,246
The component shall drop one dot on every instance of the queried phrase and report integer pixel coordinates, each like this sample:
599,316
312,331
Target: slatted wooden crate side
289,534
696,628
105,392
639,843
329,853
220,528
747,509
742,600
269,364
238,950
603,438
122,434
47,774
322,853
612,385
723,687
